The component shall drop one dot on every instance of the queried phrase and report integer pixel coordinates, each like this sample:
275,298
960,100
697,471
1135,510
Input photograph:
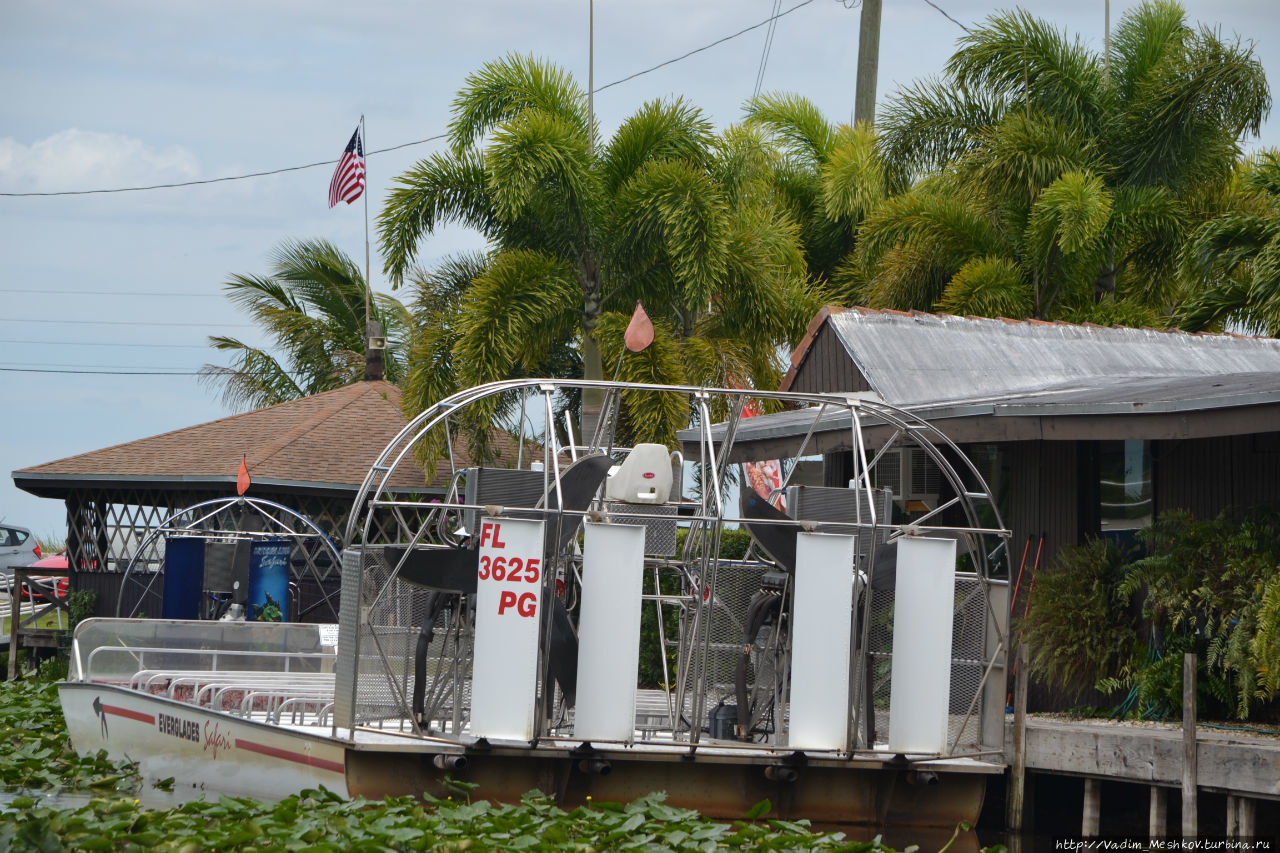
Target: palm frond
797,124
512,315
537,155
504,88
438,190
853,178
930,124
674,209
659,130
1262,172
936,225
988,287
1114,312
255,379
1187,113
1145,35
1027,62
1024,153
1070,215
646,416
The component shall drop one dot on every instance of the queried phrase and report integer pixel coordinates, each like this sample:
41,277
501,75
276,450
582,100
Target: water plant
38,755
320,820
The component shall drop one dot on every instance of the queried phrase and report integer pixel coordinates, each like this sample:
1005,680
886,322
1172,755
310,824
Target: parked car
17,548
57,561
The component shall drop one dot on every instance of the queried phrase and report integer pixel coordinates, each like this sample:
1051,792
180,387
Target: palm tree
1236,256
1047,185
830,175
312,307
665,213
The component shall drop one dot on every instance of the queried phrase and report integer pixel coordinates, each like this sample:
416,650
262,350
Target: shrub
1210,587
1078,626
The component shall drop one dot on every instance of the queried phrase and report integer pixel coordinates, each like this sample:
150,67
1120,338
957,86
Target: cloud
77,159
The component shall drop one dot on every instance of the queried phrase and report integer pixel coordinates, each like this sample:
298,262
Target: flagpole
368,282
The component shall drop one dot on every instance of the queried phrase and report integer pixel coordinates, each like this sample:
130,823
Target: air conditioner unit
912,476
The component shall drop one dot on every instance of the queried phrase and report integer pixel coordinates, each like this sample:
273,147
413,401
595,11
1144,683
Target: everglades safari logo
168,724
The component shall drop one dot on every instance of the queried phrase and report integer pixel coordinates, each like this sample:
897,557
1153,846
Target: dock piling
1189,829
1018,772
1158,817
1091,819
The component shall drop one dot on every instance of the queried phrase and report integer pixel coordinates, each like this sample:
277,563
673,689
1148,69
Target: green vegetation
311,307
37,754
1052,184
1235,257
320,820
665,212
1121,623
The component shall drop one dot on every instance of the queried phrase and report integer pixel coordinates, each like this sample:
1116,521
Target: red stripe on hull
289,755
116,710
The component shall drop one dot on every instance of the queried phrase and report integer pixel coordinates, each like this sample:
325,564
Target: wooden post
1233,824
864,94
1018,772
1189,830
1158,818
1246,817
15,614
1091,819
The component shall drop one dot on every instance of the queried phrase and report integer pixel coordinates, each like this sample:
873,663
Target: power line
705,47
15,365
39,290
63,343
132,323
219,180
944,14
768,46
108,191
99,372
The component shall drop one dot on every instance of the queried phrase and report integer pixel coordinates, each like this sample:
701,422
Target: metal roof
980,379
912,359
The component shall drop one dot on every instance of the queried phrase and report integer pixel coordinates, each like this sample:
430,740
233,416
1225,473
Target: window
1125,493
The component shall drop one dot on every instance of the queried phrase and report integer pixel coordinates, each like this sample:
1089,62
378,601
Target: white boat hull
197,748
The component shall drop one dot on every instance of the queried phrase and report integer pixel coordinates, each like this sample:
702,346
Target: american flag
348,178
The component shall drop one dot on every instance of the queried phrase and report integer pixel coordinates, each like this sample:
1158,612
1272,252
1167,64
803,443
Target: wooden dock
1242,765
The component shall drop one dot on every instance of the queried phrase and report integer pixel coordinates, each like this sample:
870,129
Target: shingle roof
323,442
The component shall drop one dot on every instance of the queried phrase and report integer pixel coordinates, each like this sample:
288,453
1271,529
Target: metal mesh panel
968,661
511,487
659,534
394,612
824,503
726,610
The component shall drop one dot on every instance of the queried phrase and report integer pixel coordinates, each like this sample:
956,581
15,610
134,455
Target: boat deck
303,702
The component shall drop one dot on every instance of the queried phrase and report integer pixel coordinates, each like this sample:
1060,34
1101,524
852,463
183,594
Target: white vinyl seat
644,477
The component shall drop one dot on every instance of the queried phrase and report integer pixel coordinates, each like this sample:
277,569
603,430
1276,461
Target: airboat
572,620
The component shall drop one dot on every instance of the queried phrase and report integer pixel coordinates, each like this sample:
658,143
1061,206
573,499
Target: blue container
183,577
269,576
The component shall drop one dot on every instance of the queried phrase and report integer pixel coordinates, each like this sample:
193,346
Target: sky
103,94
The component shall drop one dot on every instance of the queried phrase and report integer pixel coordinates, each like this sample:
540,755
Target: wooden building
310,455
1079,429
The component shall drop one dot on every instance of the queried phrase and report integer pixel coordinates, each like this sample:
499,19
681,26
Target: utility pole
1106,41
864,99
